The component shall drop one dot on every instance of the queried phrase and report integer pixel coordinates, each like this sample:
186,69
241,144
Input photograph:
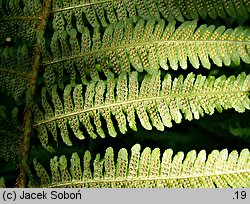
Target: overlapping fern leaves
156,102
14,70
19,19
149,169
148,46
107,44
99,12
10,134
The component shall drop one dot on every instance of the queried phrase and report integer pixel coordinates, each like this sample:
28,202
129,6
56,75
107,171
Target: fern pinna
148,46
111,11
156,100
74,72
149,169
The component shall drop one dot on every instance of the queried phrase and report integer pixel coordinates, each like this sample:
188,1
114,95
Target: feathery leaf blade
148,169
149,46
157,103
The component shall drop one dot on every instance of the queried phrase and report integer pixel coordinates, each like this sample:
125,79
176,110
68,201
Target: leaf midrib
21,18
22,75
133,45
126,179
82,5
171,96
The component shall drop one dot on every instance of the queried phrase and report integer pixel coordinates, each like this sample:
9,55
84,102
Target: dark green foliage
19,21
73,73
64,10
10,135
15,64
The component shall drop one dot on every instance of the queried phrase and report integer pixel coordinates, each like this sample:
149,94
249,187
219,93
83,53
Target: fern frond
156,102
19,18
98,12
149,169
14,71
10,135
148,46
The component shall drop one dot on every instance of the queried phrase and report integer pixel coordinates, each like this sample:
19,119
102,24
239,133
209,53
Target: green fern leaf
97,66
156,102
42,130
19,21
14,71
109,12
149,169
10,135
148,45
41,172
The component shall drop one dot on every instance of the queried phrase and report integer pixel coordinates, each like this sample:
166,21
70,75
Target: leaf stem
28,115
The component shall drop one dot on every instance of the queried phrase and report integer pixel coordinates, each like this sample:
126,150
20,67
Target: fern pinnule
156,102
41,172
148,169
75,167
73,120
59,110
84,118
43,130
65,175
54,167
